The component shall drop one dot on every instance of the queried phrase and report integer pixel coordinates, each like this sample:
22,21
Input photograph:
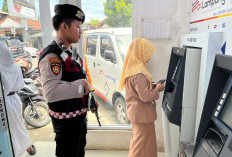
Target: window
105,45
14,43
91,46
3,40
123,42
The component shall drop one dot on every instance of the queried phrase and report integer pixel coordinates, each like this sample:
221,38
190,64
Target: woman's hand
160,87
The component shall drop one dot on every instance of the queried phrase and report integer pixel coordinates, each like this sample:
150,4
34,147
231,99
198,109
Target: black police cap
70,11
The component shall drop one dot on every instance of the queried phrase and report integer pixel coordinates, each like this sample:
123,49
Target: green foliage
5,6
119,13
94,22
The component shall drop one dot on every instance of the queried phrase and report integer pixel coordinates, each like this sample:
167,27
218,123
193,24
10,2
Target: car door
106,67
91,49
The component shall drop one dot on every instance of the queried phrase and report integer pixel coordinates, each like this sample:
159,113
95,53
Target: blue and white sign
213,16
6,149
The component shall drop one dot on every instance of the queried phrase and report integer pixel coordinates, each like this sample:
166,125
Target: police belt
66,115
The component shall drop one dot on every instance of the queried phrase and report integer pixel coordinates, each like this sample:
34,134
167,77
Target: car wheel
120,110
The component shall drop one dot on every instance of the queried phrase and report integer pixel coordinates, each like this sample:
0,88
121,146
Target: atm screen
177,71
226,113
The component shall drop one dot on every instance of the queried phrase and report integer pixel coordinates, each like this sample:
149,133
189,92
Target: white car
105,51
33,51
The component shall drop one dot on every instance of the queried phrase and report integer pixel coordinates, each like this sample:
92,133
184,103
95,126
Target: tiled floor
47,149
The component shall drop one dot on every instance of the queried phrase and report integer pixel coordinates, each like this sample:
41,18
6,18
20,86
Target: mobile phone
160,81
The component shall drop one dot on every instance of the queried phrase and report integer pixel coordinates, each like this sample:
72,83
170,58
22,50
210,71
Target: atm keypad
221,102
224,96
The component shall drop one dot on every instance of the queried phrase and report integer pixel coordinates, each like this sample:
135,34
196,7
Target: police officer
64,83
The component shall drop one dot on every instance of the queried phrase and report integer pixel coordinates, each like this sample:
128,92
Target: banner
22,8
204,10
213,16
6,149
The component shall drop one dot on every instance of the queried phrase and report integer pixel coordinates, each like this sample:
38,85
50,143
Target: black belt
11,93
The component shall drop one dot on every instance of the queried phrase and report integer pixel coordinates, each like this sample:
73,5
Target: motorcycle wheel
37,120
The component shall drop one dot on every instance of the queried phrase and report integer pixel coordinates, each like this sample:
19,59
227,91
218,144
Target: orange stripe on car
86,63
101,96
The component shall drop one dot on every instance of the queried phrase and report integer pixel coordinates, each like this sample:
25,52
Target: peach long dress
142,114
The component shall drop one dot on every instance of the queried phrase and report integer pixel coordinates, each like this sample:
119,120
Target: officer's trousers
70,136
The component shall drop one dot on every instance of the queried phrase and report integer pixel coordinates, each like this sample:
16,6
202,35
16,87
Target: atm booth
186,86
214,138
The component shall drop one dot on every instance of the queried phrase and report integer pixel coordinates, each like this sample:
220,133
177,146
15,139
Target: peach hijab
138,54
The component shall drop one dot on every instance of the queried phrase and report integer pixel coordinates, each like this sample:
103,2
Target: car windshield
3,40
15,43
123,42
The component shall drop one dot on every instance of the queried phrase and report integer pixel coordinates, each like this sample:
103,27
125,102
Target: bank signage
204,10
2,116
3,120
6,149
213,16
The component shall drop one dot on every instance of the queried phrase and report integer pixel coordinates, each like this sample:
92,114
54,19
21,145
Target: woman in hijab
12,81
141,107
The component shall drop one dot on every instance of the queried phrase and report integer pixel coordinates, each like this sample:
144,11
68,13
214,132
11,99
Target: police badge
55,65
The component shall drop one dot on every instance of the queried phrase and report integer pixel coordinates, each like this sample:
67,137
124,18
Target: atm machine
6,149
182,62
181,88
185,90
214,137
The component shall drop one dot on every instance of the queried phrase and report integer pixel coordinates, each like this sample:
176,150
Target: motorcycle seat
28,80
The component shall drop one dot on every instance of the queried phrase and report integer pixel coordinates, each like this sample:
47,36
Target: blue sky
1,1
92,8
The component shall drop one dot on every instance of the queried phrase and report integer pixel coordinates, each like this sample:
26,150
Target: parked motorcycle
24,64
34,75
35,109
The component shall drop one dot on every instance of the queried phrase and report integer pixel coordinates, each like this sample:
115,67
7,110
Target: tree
94,22
119,13
5,6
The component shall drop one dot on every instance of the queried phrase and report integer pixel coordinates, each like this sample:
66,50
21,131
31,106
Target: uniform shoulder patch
55,65
55,59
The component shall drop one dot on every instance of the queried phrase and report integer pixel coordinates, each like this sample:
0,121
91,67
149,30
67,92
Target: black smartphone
160,81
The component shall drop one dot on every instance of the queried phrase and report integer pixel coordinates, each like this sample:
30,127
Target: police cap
70,11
